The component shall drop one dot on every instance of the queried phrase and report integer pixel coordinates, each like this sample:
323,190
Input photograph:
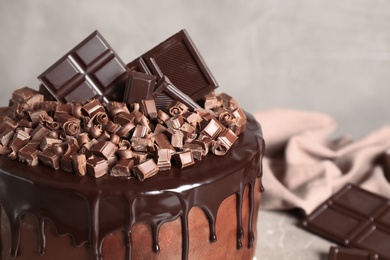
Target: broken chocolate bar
90,70
184,159
354,217
145,169
178,59
344,253
139,86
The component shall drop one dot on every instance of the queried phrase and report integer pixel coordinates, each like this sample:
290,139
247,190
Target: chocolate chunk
354,217
97,166
19,139
140,131
162,142
6,136
49,158
48,141
36,116
123,168
140,144
123,118
145,170
239,124
92,107
343,253
164,159
175,122
90,70
124,131
139,157
23,94
212,128
196,150
178,58
104,149
162,116
177,138
140,86
29,153
124,153
184,159
225,140
66,163
148,108
79,162
206,144
210,101
166,92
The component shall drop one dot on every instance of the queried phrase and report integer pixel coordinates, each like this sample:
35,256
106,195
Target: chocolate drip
165,197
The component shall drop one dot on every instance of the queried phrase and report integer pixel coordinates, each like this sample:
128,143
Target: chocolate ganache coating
90,209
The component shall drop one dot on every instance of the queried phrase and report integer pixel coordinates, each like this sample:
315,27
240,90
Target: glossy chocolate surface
167,196
356,218
90,70
179,60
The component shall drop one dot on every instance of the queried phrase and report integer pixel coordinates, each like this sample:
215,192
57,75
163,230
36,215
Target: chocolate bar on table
344,253
179,60
90,70
354,217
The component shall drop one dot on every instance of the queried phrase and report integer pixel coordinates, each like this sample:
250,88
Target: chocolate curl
100,118
95,130
228,102
239,124
76,111
114,108
224,142
177,108
226,118
71,128
145,170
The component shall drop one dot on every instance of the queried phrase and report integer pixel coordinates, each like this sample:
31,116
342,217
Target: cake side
107,205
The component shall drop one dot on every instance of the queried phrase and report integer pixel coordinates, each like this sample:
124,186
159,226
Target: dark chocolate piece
97,166
354,217
139,86
49,158
145,170
343,253
90,70
178,58
166,92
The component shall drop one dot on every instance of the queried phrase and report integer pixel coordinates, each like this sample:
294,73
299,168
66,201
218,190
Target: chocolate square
90,70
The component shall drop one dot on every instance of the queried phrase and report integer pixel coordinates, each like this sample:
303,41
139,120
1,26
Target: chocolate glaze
89,209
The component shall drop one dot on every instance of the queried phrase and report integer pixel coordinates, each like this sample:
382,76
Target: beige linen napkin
305,163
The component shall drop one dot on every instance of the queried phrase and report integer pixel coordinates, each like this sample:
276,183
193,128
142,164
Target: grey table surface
280,237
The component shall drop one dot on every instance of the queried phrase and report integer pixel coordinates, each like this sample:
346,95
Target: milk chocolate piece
343,253
49,158
124,153
225,140
123,118
177,138
139,157
123,168
36,116
164,159
354,217
184,159
97,166
114,107
148,108
79,162
140,86
66,162
19,139
140,144
48,141
6,136
90,70
177,108
166,92
163,142
212,128
145,170
140,131
23,94
178,59
104,149
29,153
196,150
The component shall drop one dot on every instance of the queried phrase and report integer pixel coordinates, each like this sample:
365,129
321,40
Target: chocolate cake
137,161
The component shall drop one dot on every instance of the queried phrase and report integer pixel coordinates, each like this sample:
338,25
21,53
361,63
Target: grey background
326,55
330,56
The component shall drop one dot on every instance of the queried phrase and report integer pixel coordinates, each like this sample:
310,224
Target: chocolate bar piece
139,86
354,217
178,59
90,70
145,169
343,253
123,168
166,92
184,159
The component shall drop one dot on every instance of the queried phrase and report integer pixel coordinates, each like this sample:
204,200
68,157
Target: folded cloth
305,164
